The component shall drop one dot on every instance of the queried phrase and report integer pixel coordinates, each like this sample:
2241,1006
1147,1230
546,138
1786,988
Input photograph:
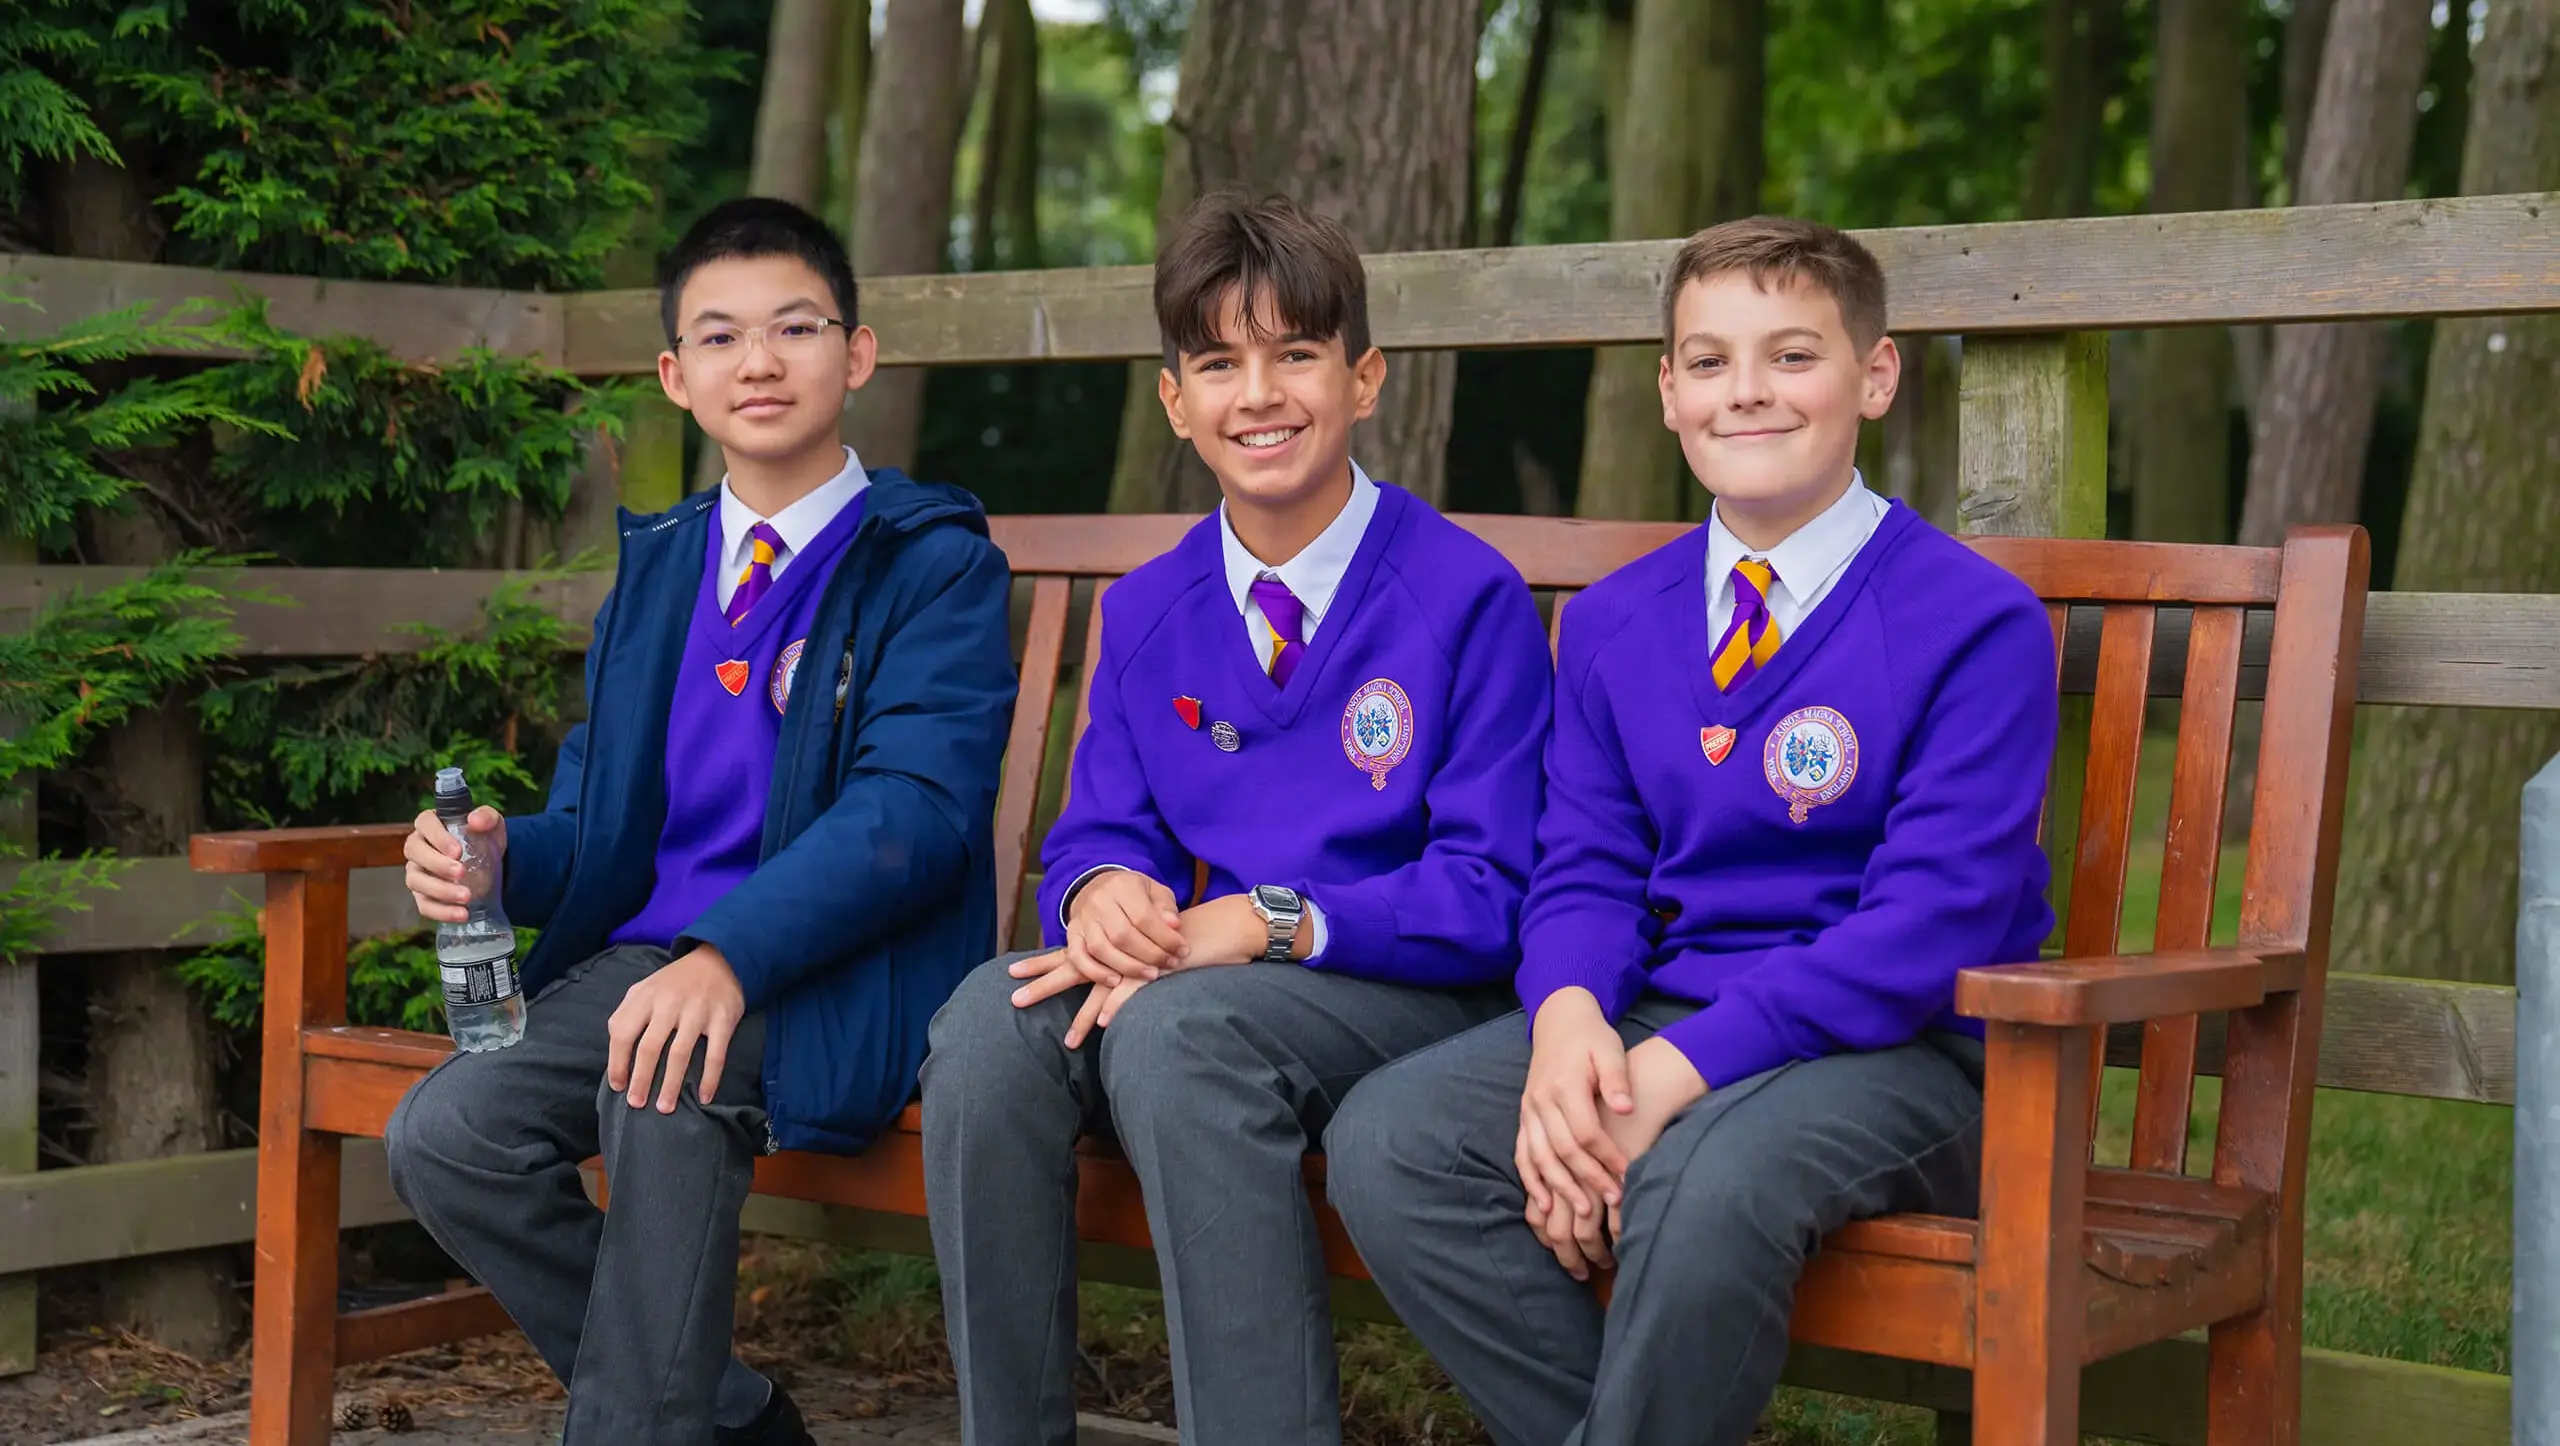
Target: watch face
1274,897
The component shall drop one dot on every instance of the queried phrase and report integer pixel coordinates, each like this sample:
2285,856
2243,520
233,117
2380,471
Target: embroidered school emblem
786,671
733,675
1187,708
1717,742
1377,729
1810,759
1224,734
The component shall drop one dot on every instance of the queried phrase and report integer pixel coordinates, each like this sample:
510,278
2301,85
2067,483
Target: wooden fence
2031,299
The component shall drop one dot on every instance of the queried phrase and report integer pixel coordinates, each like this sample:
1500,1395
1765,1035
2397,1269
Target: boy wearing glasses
765,861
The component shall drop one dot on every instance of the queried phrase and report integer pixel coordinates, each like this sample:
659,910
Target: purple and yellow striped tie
1285,616
757,580
1751,639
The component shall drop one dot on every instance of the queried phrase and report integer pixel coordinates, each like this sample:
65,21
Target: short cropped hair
751,227
1303,262
1783,250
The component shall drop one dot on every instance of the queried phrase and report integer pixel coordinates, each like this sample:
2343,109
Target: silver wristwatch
1282,911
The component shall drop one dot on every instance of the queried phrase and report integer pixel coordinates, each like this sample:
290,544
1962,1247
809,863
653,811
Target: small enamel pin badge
1377,729
1810,759
1187,708
786,671
733,675
1716,742
1224,734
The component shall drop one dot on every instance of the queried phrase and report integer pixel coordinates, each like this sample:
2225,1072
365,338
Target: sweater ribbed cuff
1354,911
1615,983
1728,1043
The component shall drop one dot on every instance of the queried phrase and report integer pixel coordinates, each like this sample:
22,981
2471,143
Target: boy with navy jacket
1332,698
1798,764
766,860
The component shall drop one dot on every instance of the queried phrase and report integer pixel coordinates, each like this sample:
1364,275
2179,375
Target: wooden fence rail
2470,255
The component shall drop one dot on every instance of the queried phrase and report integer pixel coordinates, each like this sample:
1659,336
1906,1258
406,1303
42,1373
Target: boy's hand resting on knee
1569,1161
434,872
1665,1083
693,999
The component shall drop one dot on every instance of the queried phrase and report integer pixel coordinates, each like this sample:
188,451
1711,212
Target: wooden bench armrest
2127,988
298,850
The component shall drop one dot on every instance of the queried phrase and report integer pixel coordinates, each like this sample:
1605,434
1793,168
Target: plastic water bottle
483,998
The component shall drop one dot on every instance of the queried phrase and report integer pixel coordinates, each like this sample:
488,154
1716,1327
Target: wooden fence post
2032,462
18,1042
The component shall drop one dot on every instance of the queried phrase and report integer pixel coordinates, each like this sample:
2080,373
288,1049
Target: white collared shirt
1314,575
800,523
1808,563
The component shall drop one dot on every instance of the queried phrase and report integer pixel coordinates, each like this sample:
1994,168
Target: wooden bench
2068,1264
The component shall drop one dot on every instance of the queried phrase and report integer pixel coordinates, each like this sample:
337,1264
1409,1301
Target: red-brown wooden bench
2068,1264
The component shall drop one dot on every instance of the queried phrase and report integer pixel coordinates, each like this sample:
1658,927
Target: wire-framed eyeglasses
788,336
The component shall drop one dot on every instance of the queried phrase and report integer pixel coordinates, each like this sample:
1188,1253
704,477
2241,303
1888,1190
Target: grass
2406,1251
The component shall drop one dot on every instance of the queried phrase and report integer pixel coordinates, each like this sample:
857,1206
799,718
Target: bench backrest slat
2191,858
2103,848
1028,746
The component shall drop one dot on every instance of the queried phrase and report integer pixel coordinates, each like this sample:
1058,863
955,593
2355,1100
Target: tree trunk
1004,219
1363,110
910,138
1686,153
151,1058
2429,881
2080,40
2182,447
791,115
1524,125
2315,411
853,74
2306,45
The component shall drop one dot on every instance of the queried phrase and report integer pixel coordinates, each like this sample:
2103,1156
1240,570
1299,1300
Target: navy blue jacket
875,889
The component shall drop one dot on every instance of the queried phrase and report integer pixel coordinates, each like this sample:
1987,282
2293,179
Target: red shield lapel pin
733,675
1718,743
1187,708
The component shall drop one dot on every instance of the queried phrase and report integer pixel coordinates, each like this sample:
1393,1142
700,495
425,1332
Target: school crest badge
733,675
1810,759
786,671
1716,743
1377,729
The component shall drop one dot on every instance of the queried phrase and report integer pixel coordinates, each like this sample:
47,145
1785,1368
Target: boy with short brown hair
1333,698
1793,788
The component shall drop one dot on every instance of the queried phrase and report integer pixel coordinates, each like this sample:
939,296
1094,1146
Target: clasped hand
1591,1108
1124,932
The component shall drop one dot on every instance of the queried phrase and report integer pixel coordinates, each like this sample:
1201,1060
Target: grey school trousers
1719,1218
632,1308
1217,1081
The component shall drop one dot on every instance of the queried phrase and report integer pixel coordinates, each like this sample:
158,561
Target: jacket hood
901,503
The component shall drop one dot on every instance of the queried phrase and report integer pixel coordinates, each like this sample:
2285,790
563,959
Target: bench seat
2069,1263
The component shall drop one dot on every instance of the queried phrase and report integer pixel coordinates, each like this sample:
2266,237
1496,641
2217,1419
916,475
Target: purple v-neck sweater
720,739
1870,832
1394,781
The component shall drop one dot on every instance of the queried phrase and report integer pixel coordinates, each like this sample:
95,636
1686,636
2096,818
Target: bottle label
479,981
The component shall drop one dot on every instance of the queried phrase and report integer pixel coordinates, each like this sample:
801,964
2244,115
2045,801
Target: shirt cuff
1728,1043
1315,926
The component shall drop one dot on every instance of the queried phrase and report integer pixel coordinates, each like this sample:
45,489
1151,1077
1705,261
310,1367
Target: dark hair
1273,247
1787,250
757,226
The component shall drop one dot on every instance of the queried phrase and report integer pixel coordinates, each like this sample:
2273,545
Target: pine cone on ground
355,1416
395,1417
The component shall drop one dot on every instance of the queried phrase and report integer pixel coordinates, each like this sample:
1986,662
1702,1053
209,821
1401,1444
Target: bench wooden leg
294,1342
2035,1176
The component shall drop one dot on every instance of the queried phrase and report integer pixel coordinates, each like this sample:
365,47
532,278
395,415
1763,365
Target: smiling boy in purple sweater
1334,699
1798,763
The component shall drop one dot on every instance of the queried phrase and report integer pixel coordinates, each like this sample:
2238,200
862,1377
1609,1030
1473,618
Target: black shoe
778,1424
